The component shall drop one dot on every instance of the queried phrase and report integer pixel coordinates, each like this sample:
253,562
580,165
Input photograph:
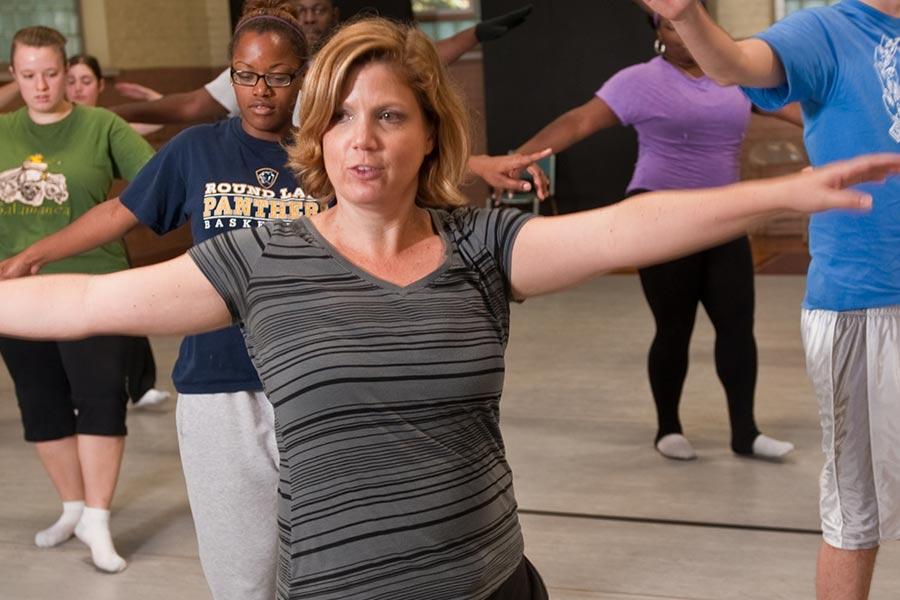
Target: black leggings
141,368
524,584
720,278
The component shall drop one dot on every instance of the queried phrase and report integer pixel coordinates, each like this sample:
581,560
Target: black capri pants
68,388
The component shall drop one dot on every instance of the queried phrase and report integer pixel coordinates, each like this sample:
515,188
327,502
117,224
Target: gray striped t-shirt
394,481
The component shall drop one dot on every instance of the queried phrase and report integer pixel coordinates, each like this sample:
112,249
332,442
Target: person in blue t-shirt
220,177
840,63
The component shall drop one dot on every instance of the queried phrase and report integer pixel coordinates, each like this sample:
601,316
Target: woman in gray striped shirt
378,327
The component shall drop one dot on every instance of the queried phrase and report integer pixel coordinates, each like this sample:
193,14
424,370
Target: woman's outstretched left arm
169,298
554,253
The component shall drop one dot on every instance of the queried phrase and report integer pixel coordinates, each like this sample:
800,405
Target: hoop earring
659,47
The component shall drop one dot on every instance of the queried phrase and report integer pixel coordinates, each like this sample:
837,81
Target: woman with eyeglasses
221,177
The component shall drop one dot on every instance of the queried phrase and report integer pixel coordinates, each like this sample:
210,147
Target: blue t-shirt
219,178
841,64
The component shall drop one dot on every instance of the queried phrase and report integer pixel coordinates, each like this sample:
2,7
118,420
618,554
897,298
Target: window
444,6
443,18
62,15
786,7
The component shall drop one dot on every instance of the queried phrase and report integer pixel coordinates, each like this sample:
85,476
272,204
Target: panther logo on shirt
886,67
32,184
266,177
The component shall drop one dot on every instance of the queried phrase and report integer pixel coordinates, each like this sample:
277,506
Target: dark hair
39,37
278,16
90,62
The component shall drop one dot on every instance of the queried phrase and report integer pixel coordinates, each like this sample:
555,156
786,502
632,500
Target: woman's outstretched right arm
169,298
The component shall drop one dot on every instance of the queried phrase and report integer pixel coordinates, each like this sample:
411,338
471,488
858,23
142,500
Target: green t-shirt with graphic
52,174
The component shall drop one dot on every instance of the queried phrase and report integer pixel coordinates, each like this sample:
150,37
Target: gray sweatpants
230,462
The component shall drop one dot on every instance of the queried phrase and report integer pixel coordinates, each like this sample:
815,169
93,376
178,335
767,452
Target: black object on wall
554,62
235,8
399,10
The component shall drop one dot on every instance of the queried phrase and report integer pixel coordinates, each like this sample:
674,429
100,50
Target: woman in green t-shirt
57,161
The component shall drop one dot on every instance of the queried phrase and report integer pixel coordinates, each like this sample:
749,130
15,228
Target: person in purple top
690,131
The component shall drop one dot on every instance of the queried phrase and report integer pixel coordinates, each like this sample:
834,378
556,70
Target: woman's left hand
503,172
136,91
827,187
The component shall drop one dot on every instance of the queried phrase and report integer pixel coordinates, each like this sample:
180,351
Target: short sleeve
620,92
129,151
157,195
494,230
807,53
227,261
221,91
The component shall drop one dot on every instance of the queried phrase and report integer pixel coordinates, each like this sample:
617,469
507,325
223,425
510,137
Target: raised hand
491,29
503,172
672,10
828,187
136,91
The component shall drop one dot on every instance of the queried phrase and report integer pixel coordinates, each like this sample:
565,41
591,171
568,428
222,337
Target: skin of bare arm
550,254
452,48
567,129
195,106
8,93
792,113
553,253
572,127
164,299
750,62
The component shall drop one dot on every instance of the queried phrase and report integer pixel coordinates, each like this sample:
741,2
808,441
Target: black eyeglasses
273,80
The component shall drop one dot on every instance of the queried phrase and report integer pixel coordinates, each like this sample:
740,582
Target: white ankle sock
93,530
152,397
64,527
766,447
675,445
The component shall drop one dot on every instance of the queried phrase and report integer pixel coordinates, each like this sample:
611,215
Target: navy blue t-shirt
220,179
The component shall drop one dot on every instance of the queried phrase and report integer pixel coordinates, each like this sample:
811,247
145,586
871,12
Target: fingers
514,18
492,29
541,182
521,161
862,169
135,91
507,183
847,199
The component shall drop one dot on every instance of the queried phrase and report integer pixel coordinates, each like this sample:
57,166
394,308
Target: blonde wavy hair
414,56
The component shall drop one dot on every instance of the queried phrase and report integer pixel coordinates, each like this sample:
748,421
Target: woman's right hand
672,10
17,266
136,91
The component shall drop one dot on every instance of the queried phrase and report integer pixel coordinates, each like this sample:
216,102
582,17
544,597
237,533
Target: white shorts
853,360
